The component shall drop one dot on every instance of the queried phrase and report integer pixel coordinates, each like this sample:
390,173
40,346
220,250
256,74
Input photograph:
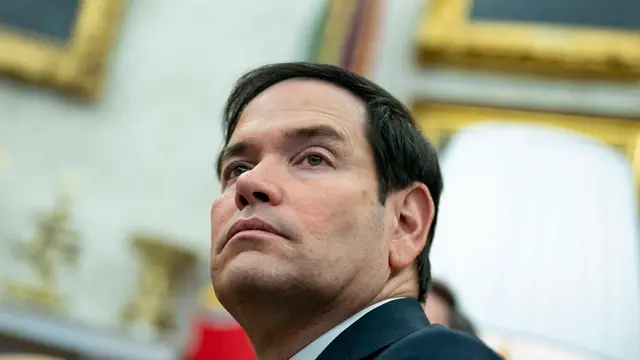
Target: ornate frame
439,120
76,68
446,35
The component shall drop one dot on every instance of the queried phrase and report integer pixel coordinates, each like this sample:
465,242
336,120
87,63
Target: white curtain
538,235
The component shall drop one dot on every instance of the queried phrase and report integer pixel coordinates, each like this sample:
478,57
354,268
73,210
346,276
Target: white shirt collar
317,346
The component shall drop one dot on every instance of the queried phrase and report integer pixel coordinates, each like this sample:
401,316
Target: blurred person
320,238
441,307
461,322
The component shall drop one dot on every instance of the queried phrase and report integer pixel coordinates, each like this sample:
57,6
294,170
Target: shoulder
437,342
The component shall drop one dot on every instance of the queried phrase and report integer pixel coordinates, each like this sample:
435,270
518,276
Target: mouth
252,224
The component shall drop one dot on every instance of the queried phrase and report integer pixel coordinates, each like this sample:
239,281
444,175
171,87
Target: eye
239,170
233,171
315,160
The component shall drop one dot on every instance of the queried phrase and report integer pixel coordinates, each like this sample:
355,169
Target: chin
251,276
252,271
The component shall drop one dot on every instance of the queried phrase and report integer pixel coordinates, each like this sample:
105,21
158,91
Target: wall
397,72
142,157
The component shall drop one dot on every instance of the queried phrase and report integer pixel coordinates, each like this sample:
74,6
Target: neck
280,325
279,331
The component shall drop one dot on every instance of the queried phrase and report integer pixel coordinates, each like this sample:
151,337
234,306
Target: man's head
338,188
440,304
441,308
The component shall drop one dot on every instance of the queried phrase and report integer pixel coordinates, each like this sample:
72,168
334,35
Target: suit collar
377,330
317,346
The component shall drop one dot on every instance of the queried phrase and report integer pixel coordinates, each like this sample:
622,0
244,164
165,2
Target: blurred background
110,125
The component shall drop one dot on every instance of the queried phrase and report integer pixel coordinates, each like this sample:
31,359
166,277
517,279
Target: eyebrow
299,134
315,132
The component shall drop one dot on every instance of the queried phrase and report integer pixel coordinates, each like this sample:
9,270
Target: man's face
300,162
437,310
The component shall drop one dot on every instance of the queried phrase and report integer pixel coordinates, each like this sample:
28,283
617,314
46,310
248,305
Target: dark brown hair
457,320
402,154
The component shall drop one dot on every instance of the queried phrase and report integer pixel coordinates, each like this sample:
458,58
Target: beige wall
142,157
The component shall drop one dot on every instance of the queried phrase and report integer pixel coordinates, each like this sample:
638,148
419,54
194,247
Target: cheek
222,210
337,211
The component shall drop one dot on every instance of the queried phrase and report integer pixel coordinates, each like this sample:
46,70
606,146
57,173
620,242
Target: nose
256,187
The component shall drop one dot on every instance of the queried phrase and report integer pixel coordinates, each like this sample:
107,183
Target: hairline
237,114
250,85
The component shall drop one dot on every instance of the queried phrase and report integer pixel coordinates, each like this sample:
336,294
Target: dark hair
444,292
457,320
401,153
460,322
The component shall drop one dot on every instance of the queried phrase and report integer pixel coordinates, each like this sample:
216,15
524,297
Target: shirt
317,346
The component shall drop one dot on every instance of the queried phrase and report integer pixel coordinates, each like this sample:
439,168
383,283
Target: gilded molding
446,35
76,68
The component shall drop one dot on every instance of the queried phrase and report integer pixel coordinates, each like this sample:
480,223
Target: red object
220,341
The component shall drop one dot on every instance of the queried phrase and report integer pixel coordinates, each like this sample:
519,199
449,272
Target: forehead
300,103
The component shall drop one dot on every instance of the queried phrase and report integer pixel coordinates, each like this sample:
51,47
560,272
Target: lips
249,224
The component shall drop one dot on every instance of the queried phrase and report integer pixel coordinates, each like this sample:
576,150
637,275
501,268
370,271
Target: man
321,235
441,308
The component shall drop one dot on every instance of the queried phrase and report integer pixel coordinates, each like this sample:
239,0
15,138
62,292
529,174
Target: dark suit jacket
399,330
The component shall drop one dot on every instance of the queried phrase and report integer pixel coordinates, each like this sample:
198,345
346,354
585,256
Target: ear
415,212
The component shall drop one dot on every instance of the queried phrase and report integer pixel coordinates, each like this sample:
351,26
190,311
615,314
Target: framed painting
573,38
61,43
439,122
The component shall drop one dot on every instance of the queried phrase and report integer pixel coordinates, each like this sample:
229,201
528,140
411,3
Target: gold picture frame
77,67
439,121
446,35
